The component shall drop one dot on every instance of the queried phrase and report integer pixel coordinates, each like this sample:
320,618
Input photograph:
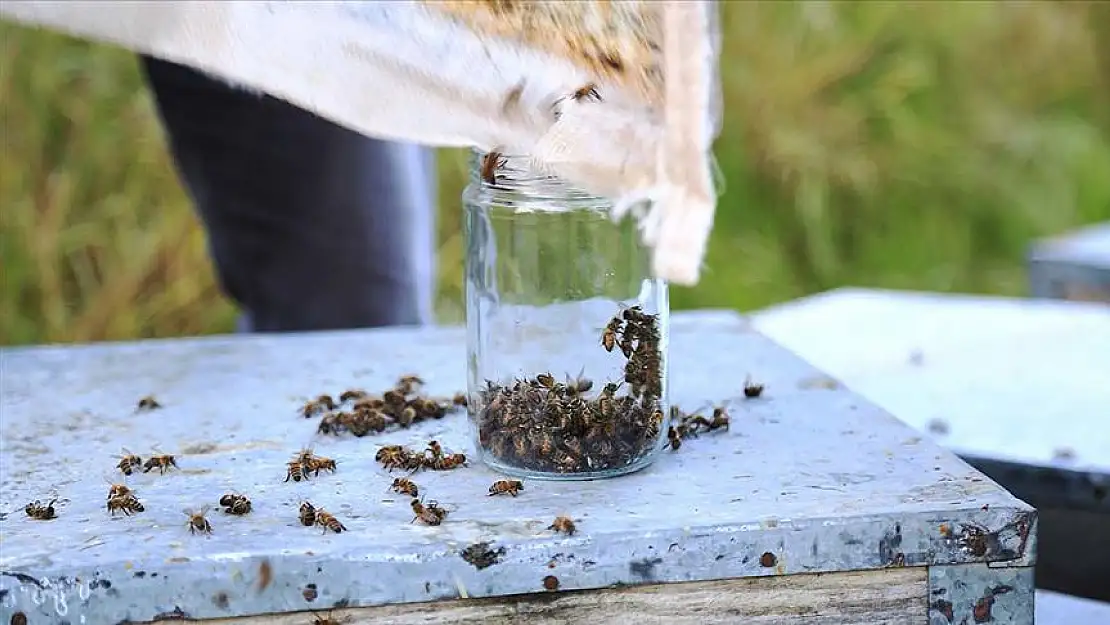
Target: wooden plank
883,596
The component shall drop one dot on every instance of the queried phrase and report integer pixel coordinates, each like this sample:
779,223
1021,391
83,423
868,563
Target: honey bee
404,486
118,490
720,420
491,162
126,504
460,400
352,395
39,511
323,620
327,521
563,524
307,514
128,462
409,383
148,403
430,514
506,487
655,422
162,462
397,457
332,423
435,449
316,406
586,92
546,380
369,403
447,463
394,398
674,438
234,503
609,335
318,463
751,389
406,417
197,522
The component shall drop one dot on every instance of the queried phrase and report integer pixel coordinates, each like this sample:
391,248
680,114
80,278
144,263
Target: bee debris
564,525
752,390
482,555
41,512
428,514
236,504
361,413
540,424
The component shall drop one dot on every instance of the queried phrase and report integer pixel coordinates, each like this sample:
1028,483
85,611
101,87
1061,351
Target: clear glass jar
567,331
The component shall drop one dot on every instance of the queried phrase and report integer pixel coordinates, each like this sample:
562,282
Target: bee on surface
405,486
295,470
127,504
352,394
307,514
162,462
506,487
332,423
128,462
719,420
448,462
609,335
586,92
563,524
369,403
148,403
409,383
674,438
406,417
197,521
327,521
39,511
751,389
579,386
435,449
460,400
491,162
319,463
430,514
314,407
394,398
235,503
117,490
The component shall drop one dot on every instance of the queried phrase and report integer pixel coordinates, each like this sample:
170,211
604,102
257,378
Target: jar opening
517,175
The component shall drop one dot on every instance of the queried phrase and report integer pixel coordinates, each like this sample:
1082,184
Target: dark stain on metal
3,594
551,583
720,556
889,545
265,575
221,600
176,614
975,540
482,555
18,618
644,569
23,578
898,561
100,583
309,592
139,574
945,609
342,603
672,547
767,560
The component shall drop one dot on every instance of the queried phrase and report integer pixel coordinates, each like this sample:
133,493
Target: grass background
905,145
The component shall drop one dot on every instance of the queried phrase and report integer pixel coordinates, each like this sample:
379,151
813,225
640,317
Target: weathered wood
884,596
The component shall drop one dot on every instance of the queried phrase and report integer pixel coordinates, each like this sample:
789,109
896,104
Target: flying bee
546,380
235,503
39,511
506,487
609,335
127,504
674,438
751,389
586,92
314,407
430,514
405,486
491,162
148,403
162,462
563,524
352,395
307,514
128,462
327,521
197,521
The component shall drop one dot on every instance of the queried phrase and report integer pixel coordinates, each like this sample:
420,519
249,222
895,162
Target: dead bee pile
398,407
543,425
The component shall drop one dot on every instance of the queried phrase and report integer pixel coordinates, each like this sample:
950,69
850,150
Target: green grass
904,145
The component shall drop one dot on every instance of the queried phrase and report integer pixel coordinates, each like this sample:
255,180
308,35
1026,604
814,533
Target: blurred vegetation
904,145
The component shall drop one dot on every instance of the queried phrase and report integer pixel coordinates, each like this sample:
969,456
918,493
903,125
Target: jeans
311,226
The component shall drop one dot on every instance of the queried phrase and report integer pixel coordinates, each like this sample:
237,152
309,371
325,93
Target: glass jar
566,330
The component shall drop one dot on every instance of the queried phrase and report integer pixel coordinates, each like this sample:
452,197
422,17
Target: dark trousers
311,226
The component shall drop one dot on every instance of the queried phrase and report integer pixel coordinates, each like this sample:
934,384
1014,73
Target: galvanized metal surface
980,593
814,476
1021,381
1054,608
1075,266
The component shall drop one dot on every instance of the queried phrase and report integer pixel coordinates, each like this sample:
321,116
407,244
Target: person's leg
311,226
